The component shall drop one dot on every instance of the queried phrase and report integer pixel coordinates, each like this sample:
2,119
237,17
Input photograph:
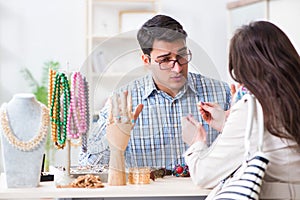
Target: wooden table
168,187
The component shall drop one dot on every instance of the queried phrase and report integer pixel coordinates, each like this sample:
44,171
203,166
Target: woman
264,61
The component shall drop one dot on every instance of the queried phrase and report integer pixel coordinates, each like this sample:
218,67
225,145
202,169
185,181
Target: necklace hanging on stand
32,143
84,135
78,118
61,91
72,128
77,109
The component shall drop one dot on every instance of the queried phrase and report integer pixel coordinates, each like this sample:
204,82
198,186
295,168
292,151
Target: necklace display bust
24,124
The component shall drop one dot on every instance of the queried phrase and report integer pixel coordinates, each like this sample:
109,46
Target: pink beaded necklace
77,118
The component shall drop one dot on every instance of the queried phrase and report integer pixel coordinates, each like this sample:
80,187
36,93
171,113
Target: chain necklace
32,143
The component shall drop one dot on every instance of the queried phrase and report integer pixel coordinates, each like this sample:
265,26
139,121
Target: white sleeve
208,166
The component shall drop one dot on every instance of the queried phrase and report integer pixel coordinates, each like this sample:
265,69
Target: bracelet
181,170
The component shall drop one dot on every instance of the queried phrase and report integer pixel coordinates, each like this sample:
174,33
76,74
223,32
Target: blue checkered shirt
156,138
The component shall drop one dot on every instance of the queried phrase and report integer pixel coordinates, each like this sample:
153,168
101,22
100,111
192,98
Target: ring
133,121
117,118
125,119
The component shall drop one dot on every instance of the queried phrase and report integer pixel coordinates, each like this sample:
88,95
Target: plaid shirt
156,138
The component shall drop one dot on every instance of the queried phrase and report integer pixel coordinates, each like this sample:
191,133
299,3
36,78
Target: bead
181,170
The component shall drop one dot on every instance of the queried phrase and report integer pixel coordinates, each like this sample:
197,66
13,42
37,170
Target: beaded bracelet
181,170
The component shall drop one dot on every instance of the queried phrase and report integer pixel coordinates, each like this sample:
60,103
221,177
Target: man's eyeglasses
166,64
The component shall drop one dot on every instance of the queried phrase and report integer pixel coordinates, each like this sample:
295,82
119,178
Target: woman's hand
213,114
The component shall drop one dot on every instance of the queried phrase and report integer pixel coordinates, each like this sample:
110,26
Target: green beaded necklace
60,83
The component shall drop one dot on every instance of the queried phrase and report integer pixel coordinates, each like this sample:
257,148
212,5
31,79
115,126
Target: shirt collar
150,85
192,82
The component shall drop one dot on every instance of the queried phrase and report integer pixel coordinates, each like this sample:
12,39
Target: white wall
35,31
205,22
286,14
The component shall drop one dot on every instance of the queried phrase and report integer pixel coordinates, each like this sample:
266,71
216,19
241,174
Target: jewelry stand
68,157
68,140
25,118
67,175
77,83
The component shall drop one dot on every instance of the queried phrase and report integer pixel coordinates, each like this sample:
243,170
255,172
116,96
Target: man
167,93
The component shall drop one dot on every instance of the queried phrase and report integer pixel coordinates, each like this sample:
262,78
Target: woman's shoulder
239,104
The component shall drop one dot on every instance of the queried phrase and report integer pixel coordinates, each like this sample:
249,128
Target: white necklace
32,143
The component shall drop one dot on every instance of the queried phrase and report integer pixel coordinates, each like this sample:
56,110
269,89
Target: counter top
168,186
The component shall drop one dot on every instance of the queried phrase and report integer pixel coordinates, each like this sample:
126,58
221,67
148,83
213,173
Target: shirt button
175,125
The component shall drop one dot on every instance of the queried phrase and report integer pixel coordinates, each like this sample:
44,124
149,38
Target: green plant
40,90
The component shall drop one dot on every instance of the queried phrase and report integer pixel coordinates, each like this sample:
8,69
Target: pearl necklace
32,143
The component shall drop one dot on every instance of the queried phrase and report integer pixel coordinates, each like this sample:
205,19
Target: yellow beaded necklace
32,143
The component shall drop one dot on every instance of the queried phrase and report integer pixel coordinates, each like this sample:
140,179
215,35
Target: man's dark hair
160,27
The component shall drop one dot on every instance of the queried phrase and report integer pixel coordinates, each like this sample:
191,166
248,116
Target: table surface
168,186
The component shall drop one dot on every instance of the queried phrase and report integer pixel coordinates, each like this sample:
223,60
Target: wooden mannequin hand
121,120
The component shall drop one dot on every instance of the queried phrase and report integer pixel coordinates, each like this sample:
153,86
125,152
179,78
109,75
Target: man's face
170,76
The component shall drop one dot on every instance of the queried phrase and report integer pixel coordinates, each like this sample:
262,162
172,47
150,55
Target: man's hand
192,130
